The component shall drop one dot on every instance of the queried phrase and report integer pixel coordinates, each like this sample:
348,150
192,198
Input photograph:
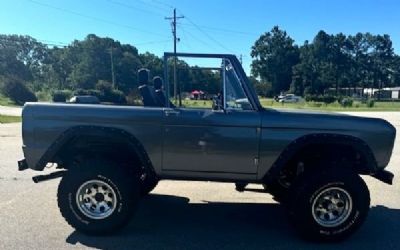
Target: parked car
84,99
289,98
111,156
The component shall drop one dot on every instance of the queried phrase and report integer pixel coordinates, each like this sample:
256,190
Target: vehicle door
223,138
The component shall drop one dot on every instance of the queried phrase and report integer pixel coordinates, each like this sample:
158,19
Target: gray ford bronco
111,156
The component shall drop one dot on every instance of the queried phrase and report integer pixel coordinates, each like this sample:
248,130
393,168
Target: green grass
5,101
196,103
357,106
9,119
270,103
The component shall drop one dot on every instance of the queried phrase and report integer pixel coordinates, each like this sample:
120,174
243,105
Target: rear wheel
98,196
328,205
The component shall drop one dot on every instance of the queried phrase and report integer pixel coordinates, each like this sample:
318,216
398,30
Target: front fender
321,139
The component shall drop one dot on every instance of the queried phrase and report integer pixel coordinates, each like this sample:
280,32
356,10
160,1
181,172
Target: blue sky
211,26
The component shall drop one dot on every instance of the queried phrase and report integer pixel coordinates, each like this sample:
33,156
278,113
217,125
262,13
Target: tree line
108,69
99,66
325,65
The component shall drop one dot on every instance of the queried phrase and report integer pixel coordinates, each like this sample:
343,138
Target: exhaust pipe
46,177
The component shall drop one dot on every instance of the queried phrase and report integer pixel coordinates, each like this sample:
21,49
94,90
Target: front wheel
98,197
328,205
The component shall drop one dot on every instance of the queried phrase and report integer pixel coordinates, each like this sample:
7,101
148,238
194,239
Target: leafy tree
274,54
323,66
152,62
262,88
336,61
22,50
17,91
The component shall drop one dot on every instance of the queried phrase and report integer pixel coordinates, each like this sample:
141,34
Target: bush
370,103
17,91
81,92
43,96
347,102
104,86
327,99
104,93
114,96
93,92
134,98
108,94
61,95
309,98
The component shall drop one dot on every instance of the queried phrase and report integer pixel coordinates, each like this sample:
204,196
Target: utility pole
241,58
112,67
173,24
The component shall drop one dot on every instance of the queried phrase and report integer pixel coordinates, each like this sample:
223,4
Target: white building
386,93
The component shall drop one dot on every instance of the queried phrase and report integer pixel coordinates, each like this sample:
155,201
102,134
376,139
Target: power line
53,43
161,3
93,18
63,45
152,42
147,3
210,37
133,7
199,40
185,36
224,30
44,42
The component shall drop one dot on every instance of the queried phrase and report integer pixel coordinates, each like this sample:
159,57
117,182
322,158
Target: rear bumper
384,176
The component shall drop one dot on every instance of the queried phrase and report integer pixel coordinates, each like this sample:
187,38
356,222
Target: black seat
159,92
147,97
147,92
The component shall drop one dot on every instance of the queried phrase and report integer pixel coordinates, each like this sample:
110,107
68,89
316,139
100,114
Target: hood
316,120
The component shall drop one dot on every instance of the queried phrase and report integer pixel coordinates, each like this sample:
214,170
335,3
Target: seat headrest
143,76
157,82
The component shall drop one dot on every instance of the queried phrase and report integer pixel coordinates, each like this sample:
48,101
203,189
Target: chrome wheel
96,199
332,206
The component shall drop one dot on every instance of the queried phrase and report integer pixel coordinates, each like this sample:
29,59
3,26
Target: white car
290,98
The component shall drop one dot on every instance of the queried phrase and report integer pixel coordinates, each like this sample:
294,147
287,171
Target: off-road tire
310,189
124,184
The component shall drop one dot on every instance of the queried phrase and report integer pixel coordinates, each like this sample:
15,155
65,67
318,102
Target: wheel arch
88,139
321,142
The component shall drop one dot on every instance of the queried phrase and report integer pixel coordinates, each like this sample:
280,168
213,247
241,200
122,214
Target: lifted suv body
252,145
204,144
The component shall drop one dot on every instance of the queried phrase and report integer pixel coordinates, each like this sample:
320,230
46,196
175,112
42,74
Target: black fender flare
322,138
97,131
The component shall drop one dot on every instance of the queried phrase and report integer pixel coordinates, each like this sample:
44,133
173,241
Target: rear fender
105,135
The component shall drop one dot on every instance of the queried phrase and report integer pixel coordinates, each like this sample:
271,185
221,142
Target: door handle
171,112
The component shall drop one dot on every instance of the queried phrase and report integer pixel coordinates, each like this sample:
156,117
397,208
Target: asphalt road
180,215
